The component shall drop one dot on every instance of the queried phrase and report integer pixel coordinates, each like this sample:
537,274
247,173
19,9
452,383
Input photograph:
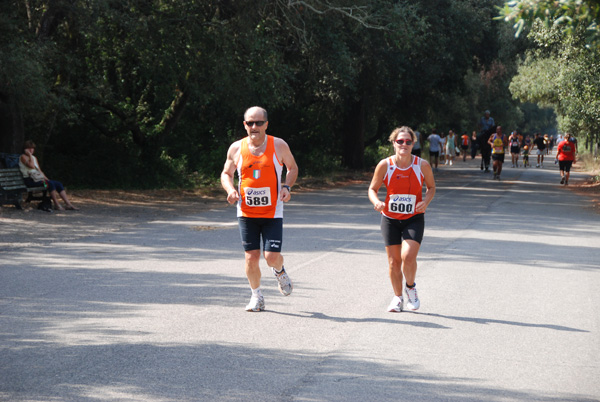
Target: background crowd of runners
492,142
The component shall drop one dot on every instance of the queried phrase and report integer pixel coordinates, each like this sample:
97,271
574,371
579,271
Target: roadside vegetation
133,94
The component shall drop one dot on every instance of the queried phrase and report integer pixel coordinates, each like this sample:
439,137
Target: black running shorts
271,230
394,231
498,157
565,166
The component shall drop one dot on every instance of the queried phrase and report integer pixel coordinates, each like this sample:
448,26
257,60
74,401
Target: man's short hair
264,111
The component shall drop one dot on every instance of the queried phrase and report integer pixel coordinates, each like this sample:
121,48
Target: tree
26,85
151,93
568,16
564,71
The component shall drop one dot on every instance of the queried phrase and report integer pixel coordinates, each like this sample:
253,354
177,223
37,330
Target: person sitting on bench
33,176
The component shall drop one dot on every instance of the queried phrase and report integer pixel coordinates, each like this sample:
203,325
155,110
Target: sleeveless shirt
259,182
404,189
498,144
26,169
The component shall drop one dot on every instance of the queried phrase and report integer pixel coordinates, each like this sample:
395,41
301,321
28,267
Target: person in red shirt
402,213
464,145
566,157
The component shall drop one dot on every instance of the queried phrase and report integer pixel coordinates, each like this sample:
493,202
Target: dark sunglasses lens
400,142
258,123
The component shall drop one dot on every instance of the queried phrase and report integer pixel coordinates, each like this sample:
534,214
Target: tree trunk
354,136
12,128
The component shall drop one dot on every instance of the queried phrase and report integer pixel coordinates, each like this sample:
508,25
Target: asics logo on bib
397,198
257,192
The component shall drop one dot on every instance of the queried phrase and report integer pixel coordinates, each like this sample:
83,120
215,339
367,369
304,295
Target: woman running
402,220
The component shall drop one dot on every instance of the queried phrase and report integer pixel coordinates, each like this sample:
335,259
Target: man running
539,142
565,154
259,160
515,148
498,142
464,146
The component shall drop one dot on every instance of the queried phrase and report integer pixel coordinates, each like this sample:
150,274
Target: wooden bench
12,188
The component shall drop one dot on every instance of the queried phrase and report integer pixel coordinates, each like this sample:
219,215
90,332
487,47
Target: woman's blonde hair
403,129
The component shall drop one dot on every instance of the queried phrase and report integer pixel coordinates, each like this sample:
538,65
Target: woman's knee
410,250
395,264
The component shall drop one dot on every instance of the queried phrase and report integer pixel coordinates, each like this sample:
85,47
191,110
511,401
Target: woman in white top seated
33,176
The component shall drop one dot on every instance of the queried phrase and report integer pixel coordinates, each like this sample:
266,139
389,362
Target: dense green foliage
121,93
568,16
563,70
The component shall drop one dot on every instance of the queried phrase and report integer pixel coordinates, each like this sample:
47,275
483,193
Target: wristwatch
288,187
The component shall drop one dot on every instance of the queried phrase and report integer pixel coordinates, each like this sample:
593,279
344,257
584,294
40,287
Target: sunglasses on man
259,123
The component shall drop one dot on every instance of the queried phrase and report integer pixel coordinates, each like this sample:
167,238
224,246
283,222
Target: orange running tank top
404,189
259,182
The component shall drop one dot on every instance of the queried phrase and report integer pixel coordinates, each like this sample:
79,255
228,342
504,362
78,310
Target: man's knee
273,258
252,256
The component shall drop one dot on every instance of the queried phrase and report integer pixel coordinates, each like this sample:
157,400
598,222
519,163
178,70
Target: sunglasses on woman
402,142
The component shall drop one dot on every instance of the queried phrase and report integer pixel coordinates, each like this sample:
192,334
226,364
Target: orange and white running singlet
404,189
260,182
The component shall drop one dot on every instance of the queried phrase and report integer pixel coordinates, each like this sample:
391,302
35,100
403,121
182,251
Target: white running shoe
257,303
396,305
284,282
413,302
450,163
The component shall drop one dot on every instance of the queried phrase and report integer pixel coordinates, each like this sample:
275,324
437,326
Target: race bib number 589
402,203
258,197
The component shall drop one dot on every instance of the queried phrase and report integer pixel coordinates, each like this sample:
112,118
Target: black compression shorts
394,231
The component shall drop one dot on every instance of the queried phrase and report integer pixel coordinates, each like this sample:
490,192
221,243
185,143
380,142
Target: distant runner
498,142
515,148
464,145
539,142
566,158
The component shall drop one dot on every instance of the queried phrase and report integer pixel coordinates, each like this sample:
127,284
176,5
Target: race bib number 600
402,203
258,197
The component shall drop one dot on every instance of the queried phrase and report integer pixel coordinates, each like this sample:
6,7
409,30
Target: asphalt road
508,278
